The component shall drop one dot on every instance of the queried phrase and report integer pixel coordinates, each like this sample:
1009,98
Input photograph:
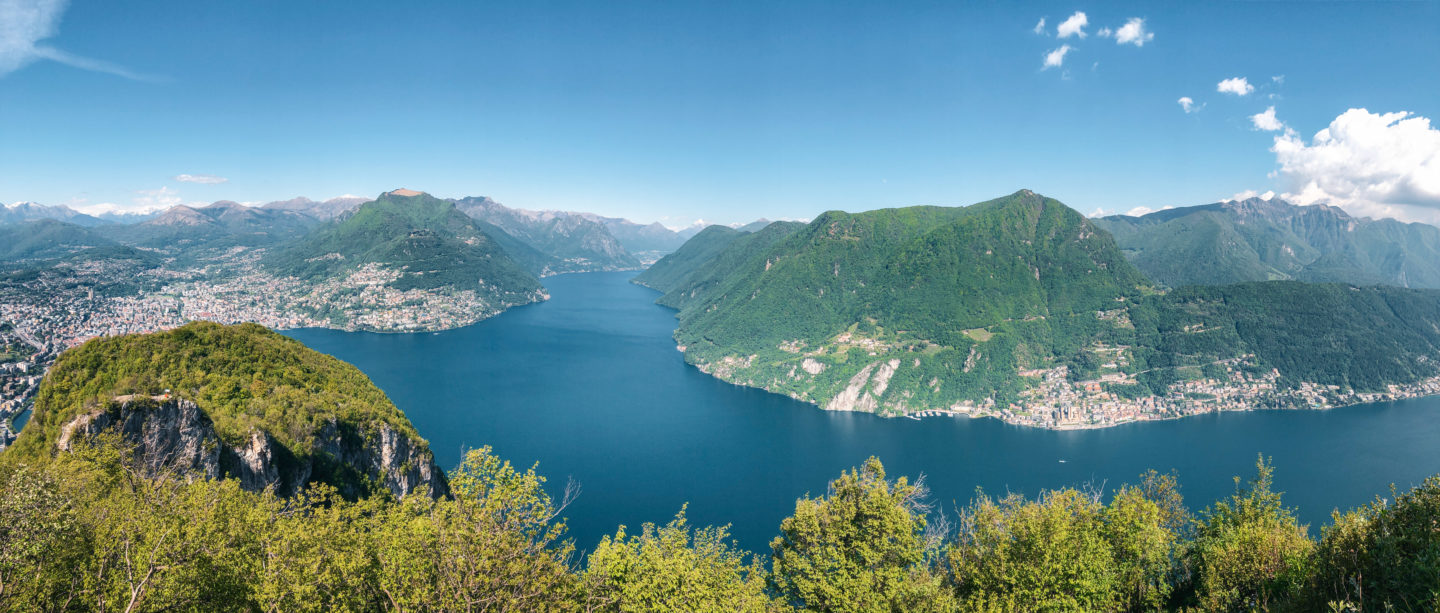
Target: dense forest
88,531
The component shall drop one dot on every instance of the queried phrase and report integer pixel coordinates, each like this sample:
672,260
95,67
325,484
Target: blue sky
726,111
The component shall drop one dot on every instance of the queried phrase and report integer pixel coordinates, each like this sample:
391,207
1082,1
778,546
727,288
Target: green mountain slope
424,241
302,416
1259,240
1022,308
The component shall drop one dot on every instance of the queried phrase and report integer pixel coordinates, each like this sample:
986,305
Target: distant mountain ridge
573,242
425,241
1257,240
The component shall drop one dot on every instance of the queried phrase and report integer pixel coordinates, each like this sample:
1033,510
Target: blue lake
589,385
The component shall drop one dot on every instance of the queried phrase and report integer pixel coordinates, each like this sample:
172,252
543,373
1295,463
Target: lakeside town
45,311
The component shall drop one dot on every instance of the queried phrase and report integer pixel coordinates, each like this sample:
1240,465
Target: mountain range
424,242
1259,240
1016,307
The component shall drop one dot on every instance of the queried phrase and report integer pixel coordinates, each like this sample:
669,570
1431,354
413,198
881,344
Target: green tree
1249,551
673,568
862,547
1385,555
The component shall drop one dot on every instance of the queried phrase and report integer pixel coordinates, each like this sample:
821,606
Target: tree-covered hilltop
204,389
1262,240
1019,305
90,530
425,240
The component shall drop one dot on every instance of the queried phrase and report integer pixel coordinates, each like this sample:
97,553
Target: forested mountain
231,401
574,242
223,224
1260,240
421,241
47,240
1020,307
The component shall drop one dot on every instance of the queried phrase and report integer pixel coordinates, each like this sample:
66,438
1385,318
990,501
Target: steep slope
667,273
424,242
690,273
1023,309
1258,240
574,242
232,401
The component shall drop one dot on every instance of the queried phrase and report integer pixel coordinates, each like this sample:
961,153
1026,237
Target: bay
589,385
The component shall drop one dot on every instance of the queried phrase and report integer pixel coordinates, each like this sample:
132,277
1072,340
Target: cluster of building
58,308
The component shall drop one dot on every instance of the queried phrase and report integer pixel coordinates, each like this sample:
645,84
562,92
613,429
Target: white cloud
1250,193
1266,121
1383,165
155,199
1104,32
1040,26
24,23
1189,105
1278,79
1139,210
202,179
1133,33
1056,57
1074,26
1235,85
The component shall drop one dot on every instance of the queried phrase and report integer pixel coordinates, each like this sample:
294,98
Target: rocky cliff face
175,435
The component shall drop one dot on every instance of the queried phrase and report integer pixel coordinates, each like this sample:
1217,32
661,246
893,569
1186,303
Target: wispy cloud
202,179
1056,57
1040,26
24,23
1235,85
1074,26
1188,104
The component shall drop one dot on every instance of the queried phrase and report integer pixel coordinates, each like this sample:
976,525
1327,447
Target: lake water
589,385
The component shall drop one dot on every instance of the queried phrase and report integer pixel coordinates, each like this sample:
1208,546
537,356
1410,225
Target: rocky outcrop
176,436
864,390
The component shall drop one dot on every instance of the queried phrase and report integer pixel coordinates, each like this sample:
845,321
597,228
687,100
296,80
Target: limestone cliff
176,435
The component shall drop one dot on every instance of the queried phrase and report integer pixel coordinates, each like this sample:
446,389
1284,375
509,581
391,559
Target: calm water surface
589,385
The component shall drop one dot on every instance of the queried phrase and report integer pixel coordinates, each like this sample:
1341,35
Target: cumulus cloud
1074,26
1266,121
1188,104
202,179
24,23
1040,26
1056,57
1235,85
1104,32
1382,165
1133,33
